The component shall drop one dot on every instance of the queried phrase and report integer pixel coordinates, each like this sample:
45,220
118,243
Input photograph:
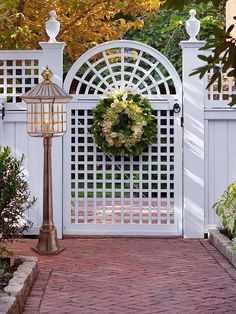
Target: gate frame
176,97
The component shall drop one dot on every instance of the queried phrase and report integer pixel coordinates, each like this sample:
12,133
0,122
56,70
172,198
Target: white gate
106,194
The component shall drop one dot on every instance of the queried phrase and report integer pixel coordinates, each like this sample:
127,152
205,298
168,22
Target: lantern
46,117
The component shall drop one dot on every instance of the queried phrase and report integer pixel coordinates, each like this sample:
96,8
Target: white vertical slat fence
220,165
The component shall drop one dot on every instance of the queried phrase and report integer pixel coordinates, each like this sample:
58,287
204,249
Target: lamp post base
48,243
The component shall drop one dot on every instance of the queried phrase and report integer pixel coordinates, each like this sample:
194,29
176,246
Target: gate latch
176,108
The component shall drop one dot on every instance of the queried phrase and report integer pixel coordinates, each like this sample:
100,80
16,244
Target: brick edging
223,244
17,291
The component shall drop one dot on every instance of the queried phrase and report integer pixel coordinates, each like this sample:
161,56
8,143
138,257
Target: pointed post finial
52,27
192,26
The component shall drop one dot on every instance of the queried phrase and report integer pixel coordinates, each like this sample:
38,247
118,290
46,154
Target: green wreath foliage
123,124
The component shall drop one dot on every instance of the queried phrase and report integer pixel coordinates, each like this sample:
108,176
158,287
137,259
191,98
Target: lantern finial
47,75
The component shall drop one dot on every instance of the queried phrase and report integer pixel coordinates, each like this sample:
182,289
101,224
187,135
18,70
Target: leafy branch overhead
222,60
167,29
84,23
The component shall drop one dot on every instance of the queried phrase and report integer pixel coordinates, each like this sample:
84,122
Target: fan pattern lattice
121,68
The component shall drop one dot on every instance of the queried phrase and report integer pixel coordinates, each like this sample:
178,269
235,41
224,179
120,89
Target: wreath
123,124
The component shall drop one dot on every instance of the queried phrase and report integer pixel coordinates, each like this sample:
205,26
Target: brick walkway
131,276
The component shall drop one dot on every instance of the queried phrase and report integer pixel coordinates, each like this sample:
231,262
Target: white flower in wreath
114,134
144,123
124,90
125,95
136,129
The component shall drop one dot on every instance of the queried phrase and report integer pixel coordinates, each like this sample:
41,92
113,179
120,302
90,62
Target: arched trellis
123,63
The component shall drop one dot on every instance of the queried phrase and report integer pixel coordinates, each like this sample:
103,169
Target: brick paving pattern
131,276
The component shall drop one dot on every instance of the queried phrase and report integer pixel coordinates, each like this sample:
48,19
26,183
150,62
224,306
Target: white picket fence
208,135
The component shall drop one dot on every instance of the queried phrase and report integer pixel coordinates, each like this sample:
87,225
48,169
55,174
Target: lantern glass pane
46,119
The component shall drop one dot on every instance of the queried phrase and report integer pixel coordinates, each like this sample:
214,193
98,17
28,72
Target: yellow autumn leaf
84,23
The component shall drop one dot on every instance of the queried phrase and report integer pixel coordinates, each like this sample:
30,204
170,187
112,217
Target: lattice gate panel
119,190
113,194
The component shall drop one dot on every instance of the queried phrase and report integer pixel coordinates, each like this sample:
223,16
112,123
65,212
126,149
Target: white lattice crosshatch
101,182
17,77
108,194
216,99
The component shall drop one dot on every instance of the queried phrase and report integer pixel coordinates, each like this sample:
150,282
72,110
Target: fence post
193,150
53,57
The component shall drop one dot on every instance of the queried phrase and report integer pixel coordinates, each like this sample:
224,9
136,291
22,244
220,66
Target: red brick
129,276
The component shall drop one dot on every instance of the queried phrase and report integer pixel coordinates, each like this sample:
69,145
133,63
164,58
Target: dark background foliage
165,31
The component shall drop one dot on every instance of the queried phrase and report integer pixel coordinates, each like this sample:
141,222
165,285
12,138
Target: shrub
226,210
14,196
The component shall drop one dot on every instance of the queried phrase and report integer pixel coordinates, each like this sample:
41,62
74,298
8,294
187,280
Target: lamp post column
48,242
48,100
47,185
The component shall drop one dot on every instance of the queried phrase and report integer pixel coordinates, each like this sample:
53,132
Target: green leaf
231,73
226,208
204,58
230,28
219,82
201,71
119,5
7,4
214,77
233,100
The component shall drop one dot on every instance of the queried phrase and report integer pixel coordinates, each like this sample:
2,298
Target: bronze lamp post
46,117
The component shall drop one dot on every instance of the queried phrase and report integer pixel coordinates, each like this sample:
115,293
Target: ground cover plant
7,267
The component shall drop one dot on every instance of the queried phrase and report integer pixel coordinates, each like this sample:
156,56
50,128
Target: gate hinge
182,121
3,111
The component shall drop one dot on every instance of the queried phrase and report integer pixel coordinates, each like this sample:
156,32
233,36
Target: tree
84,23
223,58
165,31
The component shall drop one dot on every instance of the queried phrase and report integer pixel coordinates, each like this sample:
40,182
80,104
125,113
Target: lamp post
46,117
